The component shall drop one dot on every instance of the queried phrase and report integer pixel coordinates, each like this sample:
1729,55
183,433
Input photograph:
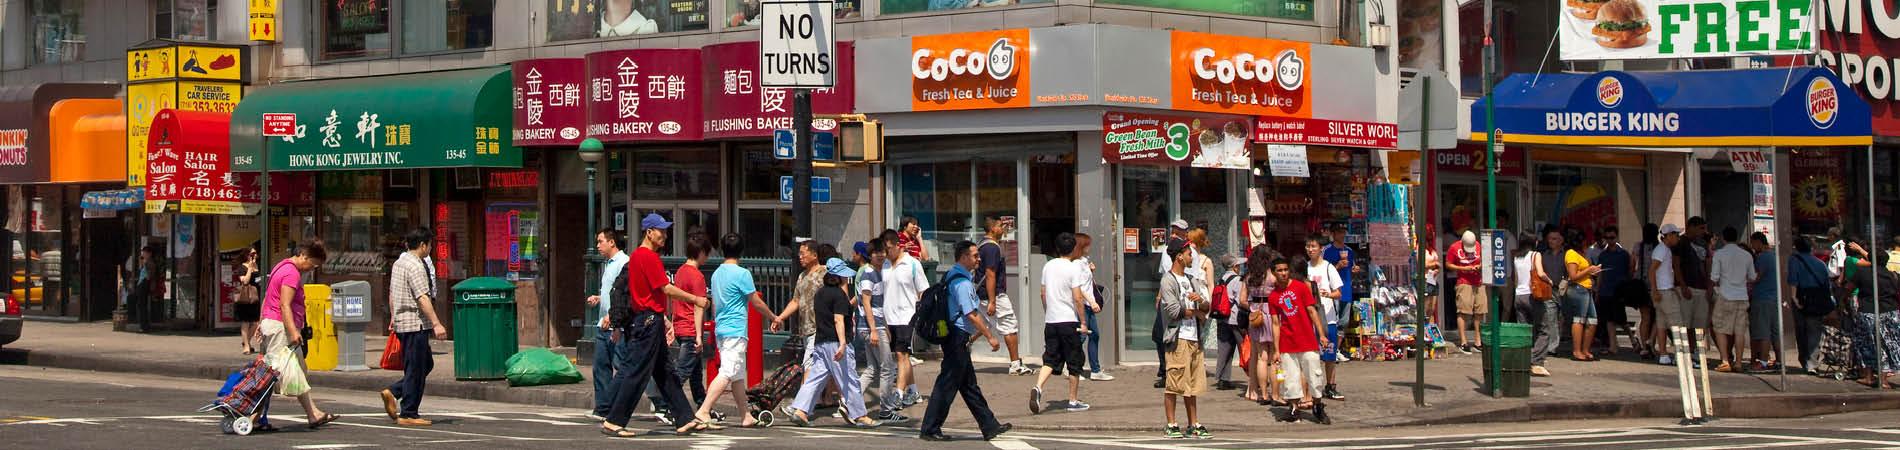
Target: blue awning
1782,107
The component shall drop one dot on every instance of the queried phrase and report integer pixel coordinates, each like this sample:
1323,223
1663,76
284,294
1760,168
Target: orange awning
88,141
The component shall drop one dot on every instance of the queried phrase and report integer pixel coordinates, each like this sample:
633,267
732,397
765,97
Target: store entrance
1152,198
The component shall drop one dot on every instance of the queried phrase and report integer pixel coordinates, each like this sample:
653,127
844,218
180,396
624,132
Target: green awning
457,118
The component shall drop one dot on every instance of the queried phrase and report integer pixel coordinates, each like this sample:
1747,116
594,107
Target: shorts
900,338
1298,367
1677,311
1004,322
1730,316
1471,300
1187,371
1062,348
732,358
1762,320
1578,306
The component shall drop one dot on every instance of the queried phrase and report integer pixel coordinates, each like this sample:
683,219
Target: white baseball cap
1668,229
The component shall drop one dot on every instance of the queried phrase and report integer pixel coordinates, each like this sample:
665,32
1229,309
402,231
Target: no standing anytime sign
796,49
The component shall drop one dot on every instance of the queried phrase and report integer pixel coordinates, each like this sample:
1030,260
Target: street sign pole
1491,377
1420,339
801,170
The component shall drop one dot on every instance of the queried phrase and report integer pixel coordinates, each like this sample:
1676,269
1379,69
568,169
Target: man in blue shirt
958,376
1807,271
1763,309
1340,256
609,243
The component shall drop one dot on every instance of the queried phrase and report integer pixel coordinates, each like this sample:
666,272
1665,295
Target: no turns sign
797,45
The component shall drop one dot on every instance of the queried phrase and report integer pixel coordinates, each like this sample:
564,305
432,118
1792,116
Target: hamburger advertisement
1673,29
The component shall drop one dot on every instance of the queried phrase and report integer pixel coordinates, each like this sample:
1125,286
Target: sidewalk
1378,393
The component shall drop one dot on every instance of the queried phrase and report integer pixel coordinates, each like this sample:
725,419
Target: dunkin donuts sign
1239,75
976,70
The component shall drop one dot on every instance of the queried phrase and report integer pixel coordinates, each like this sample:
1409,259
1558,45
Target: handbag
392,353
1540,289
1814,301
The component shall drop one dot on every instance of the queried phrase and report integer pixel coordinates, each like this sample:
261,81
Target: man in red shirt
1296,315
1464,259
640,330
682,337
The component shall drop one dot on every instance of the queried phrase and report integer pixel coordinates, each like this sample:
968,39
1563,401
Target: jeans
957,378
605,356
1161,351
1229,337
1549,329
821,369
643,360
1094,345
880,368
688,367
1807,337
1577,305
417,362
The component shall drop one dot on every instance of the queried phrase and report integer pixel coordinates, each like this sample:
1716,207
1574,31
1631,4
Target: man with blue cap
831,359
639,326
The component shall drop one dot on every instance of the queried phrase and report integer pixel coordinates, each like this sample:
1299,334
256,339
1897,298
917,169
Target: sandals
325,420
1725,368
623,432
697,425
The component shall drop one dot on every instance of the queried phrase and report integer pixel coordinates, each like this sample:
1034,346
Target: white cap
1180,224
1668,229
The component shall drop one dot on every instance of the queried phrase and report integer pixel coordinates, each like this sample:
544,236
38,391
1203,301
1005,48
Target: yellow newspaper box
322,347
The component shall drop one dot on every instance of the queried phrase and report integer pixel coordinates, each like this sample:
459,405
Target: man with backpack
1063,283
1230,330
950,313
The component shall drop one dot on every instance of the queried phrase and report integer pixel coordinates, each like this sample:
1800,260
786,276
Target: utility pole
1491,377
801,169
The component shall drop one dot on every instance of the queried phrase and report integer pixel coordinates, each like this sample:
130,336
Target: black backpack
933,319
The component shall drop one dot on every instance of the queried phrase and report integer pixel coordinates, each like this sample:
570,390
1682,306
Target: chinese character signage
456,118
1338,133
1240,75
264,20
547,101
181,77
975,70
737,107
189,161
1200,140
644,95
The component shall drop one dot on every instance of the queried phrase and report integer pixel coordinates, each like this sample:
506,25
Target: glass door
1146,209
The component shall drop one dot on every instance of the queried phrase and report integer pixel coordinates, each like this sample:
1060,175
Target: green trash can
484,328
1514,353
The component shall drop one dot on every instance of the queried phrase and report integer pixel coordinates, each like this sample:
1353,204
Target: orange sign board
975,70
1240,75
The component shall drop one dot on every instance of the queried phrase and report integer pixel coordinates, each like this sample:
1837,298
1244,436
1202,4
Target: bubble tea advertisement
1204,141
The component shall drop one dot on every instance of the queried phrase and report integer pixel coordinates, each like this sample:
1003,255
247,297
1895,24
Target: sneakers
1174,432
1075,406
916,362
1464,349
1319,414
890,417
719,417
1035,400
597,416
1200,432
1016,368
1332,393
661,417
1160,383
1223,385
1539,371
1665,360
837,413
911,398
1292,415
1101,376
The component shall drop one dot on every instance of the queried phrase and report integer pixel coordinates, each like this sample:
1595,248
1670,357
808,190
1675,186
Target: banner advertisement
1679,29
1240,75
547,101
1338,133
644,95
975,70
1203,141
1861,43
1819,187
587,19
736,106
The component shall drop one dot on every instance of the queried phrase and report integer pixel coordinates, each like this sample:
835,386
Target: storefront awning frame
444,119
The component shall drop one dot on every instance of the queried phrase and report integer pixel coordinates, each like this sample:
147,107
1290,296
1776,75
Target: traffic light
860,140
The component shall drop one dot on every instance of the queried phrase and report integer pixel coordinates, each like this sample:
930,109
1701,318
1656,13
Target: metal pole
1491,377
263,192
592,326
1873,244
1781,363
801,170
1420,340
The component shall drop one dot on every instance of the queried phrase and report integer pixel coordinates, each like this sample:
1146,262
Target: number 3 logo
1178,141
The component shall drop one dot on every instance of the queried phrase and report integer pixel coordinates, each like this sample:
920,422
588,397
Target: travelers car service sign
1237,75
976,70
1667,29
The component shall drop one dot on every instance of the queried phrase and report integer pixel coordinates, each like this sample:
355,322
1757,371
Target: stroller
245,399
781,384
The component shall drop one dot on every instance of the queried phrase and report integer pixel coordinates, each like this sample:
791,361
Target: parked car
10,320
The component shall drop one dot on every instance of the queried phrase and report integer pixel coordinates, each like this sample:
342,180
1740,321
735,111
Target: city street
51,408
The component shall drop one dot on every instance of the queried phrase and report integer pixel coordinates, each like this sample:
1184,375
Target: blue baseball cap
653,220
838,268
862,249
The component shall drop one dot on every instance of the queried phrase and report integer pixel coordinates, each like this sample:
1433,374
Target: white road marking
427,430
332,446
480,416
1012,444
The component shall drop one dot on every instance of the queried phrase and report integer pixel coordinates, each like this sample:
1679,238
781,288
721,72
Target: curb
1763,406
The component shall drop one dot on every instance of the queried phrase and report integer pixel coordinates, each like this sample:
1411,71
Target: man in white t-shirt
1325,279
904,283
1062,331
1663,288
1732,269
1094,307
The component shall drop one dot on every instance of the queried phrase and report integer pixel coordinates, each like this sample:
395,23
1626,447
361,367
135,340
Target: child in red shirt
1295,314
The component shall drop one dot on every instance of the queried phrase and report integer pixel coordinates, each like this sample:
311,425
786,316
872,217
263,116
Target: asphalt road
60,409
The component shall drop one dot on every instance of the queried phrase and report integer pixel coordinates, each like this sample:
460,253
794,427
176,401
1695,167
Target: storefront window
1146,213
511,222
1279,9
430,26
58,35
745,13
355,28
1587,199
36,251
948,202
587,19
914,6
686,174
186,20
759,173
350,218
768,233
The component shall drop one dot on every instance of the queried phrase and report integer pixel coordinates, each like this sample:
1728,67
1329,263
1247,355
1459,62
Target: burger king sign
1824,103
